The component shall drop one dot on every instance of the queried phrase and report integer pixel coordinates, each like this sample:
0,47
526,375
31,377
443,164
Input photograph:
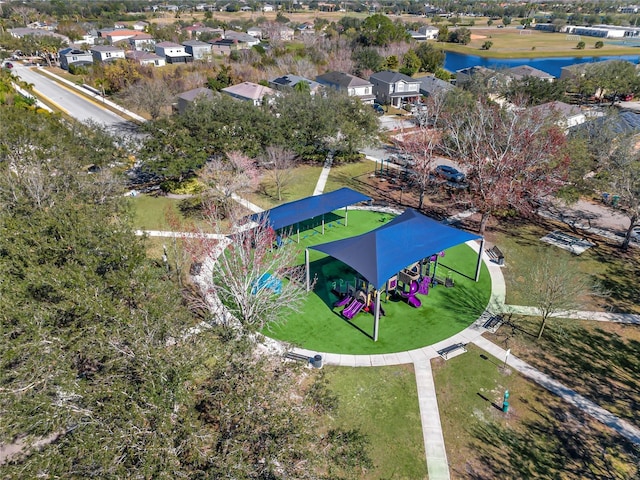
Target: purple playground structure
411,296
352,309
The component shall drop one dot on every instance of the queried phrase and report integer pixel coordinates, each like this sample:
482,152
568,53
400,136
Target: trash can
316,361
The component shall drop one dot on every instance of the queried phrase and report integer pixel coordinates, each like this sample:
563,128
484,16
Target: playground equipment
266,280
410,296
353,308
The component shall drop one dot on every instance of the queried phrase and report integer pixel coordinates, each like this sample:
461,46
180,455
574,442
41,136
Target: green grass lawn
605,263
445,311
301,184
382,402
540,437
513,43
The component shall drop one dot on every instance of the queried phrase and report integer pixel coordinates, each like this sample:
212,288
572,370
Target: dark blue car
450,174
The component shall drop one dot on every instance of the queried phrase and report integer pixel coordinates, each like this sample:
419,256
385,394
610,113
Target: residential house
255,32
524,71
426,32
566,116
492,79
245,41
431,85
223,46
249,92
120,34
352,85
288,82
306,28
285,33
106,53
43,26
36,32
393,88
142,57
267,7
72,56
173,52
197,29
140,26
143,41
198,50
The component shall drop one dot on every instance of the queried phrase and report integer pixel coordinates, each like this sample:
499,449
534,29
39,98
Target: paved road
74,105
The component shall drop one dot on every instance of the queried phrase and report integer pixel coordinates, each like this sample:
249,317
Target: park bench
452,350
496,255
493,322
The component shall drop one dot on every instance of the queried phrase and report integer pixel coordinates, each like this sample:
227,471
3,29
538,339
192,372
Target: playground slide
414,302
352,309
343,301
411,296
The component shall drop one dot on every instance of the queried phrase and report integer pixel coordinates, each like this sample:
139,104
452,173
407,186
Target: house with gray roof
146,58
394,88
198,50
74,57
249,92
431,85
244,39
524,71
289,82
185,99
566,116
106,53
352,85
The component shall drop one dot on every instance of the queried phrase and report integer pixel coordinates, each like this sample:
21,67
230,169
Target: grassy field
540,436
382,402
301,184
513,43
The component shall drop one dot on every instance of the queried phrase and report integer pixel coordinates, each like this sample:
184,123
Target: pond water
552,65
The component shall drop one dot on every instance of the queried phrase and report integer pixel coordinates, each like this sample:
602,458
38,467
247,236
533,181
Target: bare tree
279,163
226,177
153,96
511,157
252,277
424,145
555,286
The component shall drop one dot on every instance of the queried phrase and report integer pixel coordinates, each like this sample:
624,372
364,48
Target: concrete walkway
324,175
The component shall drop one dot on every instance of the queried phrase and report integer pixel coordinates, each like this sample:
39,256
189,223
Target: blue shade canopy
291,213
381,253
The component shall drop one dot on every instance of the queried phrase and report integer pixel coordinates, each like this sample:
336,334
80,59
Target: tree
391,63
581,45
506,21
487,45
152,96
378,30
620,173
367,59
431,58
443,34
254,283
279,163
424,145
410,63
460,35
510,157
599,44
489,22
554,286
226,177
534,91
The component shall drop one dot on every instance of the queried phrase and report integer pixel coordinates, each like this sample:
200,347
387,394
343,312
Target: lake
552,65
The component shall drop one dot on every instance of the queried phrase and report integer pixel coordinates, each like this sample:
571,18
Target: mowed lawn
382,403
444,311
540,436
511,42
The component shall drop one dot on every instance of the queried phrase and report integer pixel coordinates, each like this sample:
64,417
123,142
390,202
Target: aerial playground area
378,282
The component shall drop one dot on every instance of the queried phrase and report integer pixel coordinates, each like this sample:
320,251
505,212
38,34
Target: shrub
187,187
580,45
599,44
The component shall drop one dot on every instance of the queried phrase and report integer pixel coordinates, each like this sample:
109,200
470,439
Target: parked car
449,173
378,108
635,233
8,65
